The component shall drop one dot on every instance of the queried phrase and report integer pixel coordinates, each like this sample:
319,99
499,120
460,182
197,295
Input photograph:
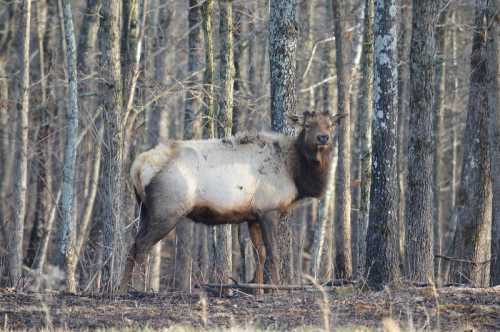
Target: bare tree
21,167
112,171
438,118
382,252
343,258
43,163
209,77
159,20
67,250
184,231
365,109
222,239
404,39
473,234
324,231
492,51
282,58
418,231
209,127
135,21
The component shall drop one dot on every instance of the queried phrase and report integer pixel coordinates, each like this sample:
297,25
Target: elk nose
323,139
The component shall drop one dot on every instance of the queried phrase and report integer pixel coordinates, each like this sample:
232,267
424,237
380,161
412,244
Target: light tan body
229,180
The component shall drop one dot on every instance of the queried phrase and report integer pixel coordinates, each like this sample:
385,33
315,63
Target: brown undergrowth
411,309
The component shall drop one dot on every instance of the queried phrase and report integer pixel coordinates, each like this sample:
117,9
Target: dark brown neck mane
312,169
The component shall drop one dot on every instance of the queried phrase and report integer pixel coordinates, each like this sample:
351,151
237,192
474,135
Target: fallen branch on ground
460,260
265,286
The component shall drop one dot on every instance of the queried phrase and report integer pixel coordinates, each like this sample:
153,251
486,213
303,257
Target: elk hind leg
148,236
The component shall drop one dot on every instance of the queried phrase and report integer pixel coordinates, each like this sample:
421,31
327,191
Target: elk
253,178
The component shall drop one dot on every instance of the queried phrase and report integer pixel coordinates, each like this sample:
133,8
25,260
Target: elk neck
312,168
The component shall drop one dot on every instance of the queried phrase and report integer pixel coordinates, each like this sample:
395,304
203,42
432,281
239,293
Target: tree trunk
6,151
282,59
282,54
87,37
222,234
419,265
492,51
66,249
473,233
209,77
159,24
135,15
324,222
343,259
306,17
365,109
404,37
438,167
85,65
239,243
304,220
209,127
112,170
21,167
43,162
238,63
382,257
185,230
454,116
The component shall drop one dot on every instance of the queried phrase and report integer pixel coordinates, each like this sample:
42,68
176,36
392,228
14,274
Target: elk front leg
258,243
269,226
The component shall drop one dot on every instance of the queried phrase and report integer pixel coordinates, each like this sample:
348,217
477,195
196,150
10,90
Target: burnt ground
451,309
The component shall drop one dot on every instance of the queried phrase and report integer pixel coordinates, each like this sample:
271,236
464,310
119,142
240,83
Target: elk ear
294,118
337,117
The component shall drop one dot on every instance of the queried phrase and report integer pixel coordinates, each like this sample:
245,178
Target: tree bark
382,261
492,51
112,170
209,127
134,32
282,55
43,162
324,222
194,65
66,249
209,76
404,39
160,18
438,167
237,10
365,109
21,167
419,255
473,233
282,59
222,234
87,37
185,230
343,259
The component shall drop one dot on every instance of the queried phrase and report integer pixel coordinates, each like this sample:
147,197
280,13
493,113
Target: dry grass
412,309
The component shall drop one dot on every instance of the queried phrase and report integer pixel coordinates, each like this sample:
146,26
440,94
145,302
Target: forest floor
345,309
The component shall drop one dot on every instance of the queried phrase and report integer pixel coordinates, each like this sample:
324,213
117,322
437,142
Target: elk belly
226,188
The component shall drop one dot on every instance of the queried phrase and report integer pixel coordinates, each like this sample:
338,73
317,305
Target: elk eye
307,126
